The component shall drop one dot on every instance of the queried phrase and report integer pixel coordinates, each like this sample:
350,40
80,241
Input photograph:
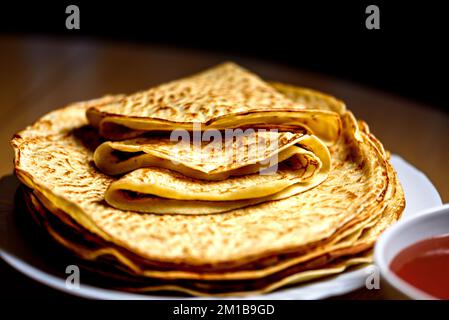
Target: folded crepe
223,97
178,177
253,163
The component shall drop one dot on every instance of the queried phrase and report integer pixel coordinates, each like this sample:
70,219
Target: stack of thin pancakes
300,190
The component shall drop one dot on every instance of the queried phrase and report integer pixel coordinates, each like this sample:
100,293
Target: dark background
407,56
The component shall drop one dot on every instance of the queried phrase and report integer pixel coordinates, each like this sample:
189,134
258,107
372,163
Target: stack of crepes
215,184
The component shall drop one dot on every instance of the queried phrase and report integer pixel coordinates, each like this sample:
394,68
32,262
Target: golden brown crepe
238,154
96,261
223,97
295,165
346,248
251,165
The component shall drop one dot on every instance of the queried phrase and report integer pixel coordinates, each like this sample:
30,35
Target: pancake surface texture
226,96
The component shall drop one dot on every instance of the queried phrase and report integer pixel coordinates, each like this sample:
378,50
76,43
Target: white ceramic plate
419,193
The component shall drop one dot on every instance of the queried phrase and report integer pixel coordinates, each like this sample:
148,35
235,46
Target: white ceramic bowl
426,224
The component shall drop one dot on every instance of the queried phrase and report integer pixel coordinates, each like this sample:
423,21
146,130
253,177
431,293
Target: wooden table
40,74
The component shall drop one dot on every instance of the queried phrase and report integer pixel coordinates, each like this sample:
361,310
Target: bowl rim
387,236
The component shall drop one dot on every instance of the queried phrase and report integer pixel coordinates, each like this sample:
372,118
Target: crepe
223,97
295,164
242,166
112,275
347,247
259,241
58,166
238,154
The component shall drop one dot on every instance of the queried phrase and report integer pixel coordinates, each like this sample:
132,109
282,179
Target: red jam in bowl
425,265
